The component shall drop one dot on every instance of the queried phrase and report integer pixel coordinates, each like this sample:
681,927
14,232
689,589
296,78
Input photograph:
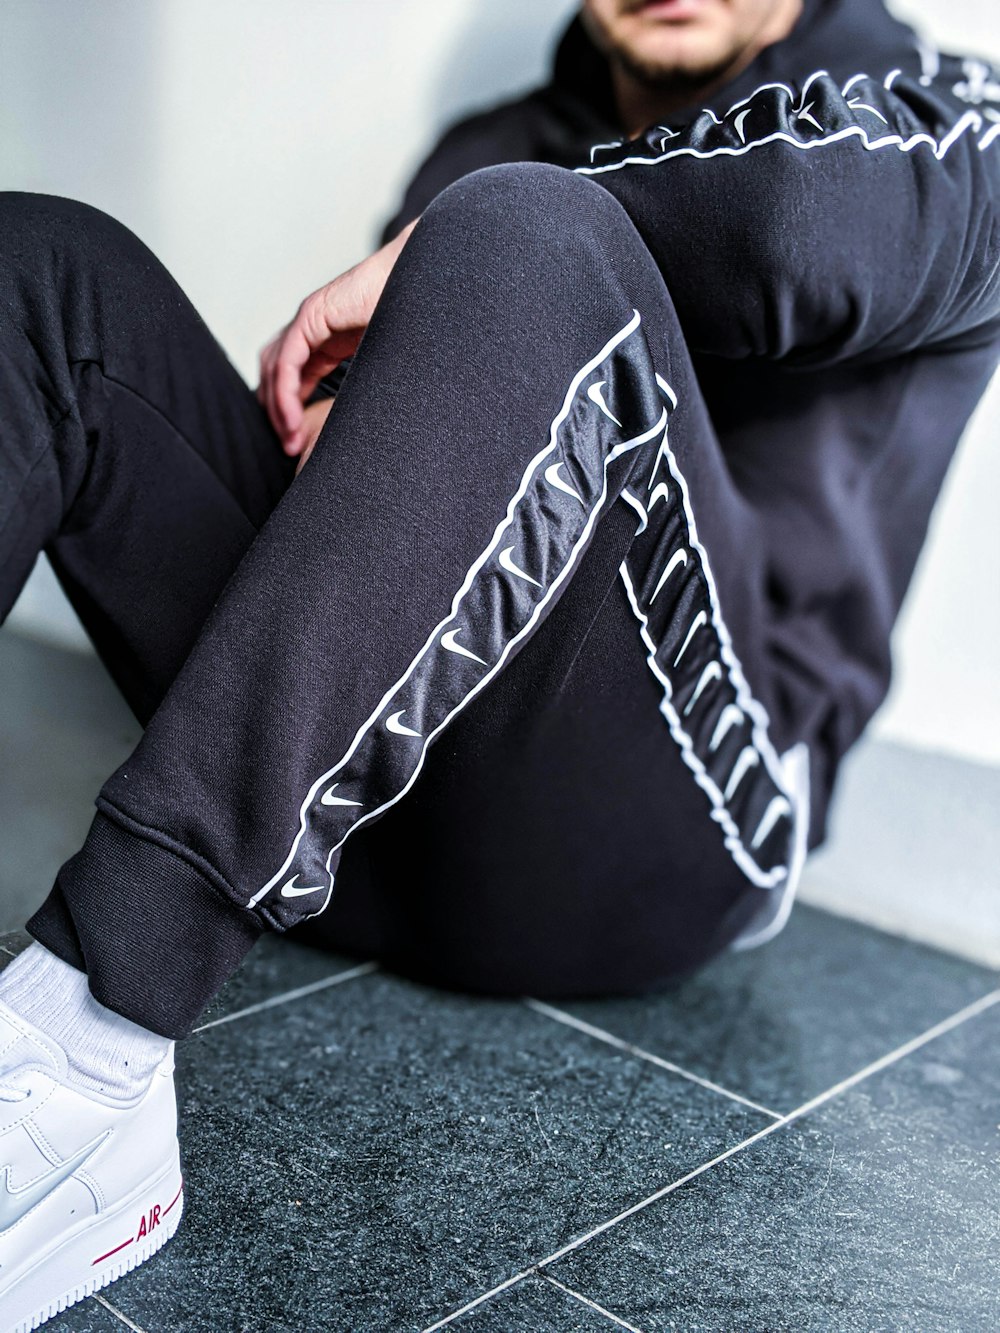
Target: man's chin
678,73
663,54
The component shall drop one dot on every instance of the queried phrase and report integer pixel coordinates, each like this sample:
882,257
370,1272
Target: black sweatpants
516,538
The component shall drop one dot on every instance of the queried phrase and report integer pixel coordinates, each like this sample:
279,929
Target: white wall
257,146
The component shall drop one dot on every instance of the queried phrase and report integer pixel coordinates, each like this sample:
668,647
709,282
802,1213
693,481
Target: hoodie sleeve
827,223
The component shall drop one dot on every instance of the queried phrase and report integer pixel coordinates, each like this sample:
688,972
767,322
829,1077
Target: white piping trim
768,923
744,696
779,136
810,80
616,452
764,879
643,524
598,146
749,706
665,388
614,341
972,118
930,62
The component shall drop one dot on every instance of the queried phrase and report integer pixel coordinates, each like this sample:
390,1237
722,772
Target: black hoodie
828,226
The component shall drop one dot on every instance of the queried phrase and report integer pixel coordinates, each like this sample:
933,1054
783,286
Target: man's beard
683,83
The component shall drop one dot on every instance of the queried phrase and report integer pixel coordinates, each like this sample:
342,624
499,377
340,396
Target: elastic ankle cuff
156,939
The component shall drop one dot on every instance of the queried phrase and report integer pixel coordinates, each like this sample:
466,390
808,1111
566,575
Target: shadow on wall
57,73
498,52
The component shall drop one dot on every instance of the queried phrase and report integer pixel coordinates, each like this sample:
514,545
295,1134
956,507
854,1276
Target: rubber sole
96,1254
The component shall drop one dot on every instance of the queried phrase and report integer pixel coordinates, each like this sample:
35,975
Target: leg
496,462
516,379
133,453
130,449
560,840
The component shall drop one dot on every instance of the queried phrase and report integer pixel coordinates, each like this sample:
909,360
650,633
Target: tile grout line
113,1309
946,1025
600,1034
592,1305
362,970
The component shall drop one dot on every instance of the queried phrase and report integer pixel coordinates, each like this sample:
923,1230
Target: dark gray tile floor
898,1178
787,1018
801,1137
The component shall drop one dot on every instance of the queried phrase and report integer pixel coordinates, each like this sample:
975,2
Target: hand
327,328
313,420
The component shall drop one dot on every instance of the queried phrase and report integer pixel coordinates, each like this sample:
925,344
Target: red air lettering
149,1221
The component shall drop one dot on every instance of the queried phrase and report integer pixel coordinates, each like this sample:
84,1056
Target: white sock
105,1052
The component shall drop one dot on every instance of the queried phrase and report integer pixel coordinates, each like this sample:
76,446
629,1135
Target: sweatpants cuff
156,939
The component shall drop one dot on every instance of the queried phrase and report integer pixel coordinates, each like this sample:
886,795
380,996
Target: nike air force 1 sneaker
89,1187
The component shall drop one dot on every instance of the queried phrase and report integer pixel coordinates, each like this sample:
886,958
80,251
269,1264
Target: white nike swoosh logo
290,890
511,568
863,106
728,718
678,558
595,396
696,624
328,797
713,671
661,493
777,807
553,478
448,641
15,1203
393,724
738,124
805,114
748,758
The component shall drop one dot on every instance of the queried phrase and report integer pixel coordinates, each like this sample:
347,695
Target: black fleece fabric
827,225
540,671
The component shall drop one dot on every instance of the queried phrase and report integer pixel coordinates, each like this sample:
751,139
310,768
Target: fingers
327,328
290,367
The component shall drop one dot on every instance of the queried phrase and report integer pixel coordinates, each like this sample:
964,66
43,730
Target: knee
36,227
549,204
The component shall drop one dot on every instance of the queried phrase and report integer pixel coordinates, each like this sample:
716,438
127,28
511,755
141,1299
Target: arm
827,223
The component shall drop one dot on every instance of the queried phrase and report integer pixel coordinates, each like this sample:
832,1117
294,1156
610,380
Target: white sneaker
89,1188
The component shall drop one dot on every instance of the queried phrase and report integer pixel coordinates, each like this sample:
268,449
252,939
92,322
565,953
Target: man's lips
667,11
